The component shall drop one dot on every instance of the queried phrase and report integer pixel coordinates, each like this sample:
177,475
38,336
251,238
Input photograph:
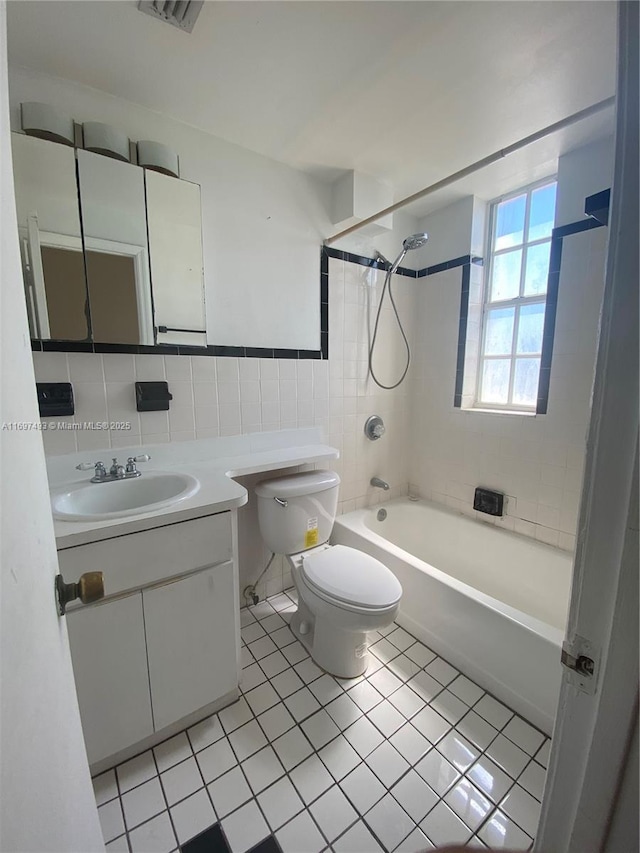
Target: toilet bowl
342,592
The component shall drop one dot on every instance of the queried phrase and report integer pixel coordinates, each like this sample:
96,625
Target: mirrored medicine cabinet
111,252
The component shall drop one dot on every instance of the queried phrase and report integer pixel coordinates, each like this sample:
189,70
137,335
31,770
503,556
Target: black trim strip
575,227
462,334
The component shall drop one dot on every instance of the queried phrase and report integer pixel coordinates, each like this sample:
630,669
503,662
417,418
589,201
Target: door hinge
581,660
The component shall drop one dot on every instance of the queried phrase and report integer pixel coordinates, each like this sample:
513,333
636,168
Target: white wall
582,173
263,222
449,231
536,460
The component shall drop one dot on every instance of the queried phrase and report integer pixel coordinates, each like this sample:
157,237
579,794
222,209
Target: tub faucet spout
379,484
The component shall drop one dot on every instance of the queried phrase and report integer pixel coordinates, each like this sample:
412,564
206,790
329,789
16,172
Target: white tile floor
411,756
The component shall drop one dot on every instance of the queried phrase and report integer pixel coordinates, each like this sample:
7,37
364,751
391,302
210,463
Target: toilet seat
350,578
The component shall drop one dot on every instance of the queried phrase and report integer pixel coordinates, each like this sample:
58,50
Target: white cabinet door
191,642
109,657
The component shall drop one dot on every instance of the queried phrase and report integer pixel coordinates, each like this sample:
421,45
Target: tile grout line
322,705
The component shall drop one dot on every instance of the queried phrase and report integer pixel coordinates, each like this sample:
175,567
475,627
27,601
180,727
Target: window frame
515,302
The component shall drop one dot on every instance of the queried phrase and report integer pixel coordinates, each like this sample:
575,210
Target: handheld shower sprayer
414,241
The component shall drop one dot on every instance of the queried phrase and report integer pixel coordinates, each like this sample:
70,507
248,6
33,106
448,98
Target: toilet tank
297,512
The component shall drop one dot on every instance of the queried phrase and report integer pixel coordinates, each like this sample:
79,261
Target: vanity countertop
214,462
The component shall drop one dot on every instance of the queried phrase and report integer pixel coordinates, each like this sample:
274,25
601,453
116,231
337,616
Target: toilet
342,593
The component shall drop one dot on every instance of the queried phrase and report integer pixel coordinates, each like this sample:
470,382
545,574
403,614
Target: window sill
511,412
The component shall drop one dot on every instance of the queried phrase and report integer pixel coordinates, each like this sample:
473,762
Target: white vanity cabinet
164,641
190,628
109,654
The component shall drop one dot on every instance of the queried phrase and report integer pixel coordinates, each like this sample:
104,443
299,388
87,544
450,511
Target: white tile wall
228,396
537,461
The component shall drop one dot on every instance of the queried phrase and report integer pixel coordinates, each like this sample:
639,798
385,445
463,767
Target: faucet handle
86,466
131,462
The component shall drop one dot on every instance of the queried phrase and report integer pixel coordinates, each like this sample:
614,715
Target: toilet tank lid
306,483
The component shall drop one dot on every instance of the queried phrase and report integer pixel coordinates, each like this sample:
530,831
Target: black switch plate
486,500
55,398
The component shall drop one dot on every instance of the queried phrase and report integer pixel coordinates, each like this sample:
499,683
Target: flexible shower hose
387,286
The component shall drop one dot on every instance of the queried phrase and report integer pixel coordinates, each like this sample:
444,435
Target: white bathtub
492,603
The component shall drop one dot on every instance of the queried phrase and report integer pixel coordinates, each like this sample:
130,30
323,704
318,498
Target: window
515,298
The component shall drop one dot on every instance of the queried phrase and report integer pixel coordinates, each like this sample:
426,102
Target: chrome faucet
379,484
116,471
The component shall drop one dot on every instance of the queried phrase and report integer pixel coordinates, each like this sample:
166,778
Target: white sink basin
96,501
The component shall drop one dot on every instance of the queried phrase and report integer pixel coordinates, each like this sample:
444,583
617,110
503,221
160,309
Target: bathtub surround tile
303,759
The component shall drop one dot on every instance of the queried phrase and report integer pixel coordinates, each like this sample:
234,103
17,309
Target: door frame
593,730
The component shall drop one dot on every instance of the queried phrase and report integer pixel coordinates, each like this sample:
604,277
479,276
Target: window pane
495,380
510,222
525,383
542,213
537,272
505,278
530,329
499,335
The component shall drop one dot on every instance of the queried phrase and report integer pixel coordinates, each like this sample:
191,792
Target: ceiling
405,91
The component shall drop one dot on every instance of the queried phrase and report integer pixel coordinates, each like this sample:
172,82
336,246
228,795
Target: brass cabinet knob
89,588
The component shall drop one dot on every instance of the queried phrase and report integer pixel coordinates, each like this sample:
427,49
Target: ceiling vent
180,13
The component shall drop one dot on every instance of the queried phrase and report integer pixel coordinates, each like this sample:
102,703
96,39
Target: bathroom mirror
50,238
114,257
117,257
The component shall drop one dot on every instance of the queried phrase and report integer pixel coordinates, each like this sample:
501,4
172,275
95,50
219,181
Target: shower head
409,243
415,241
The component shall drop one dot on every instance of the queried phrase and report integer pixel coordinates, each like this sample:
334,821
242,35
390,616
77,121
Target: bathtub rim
354,521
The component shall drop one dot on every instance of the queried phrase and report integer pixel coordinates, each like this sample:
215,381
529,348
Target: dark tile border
462,334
